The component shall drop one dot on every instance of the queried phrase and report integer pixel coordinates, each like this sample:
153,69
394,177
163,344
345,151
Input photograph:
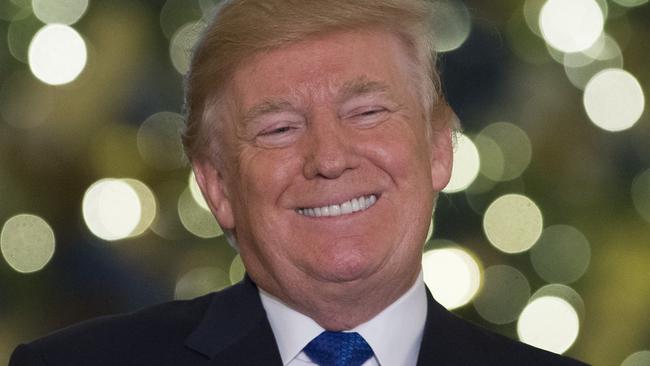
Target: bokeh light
159,141
451,25
466,165
641,358
180,47
195,218
549,323
571,26
111,209
19,36
605,48
237,270
561,255
641,194
565,293
200,281
580,67
196,192
515,148
492,163
452,275
614,100
59,11
147,204
27,243
531,10
630,3
504,294
57,54
513,223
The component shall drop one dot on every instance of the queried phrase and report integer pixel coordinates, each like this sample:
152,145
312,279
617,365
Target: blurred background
543,234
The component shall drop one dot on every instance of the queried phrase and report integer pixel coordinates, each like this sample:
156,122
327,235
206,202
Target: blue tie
338,349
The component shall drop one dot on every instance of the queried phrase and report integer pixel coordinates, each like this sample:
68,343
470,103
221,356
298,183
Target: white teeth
373,199
362,203
335,210
347,207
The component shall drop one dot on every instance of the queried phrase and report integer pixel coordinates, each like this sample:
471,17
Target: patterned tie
338,349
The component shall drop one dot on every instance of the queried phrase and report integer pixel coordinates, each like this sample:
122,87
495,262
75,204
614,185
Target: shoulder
117,339
500,350
462,342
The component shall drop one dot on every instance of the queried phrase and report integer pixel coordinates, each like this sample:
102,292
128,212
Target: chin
345,267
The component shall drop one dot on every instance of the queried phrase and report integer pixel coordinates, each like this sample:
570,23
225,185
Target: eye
371,112
277,131
280,135
368,116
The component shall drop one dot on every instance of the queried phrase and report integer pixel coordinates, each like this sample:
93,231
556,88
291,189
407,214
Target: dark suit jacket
230,328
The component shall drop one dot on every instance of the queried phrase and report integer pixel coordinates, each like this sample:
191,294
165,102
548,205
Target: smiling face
330,173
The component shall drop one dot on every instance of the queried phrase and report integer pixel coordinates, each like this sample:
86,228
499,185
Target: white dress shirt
394,334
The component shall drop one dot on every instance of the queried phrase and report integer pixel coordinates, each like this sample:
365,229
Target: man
320,139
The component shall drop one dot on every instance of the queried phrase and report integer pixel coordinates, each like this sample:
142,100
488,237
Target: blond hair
243,28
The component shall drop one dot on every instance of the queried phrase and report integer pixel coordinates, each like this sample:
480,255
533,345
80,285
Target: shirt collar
292,329
394,334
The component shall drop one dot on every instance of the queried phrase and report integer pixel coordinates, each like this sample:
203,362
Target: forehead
320,67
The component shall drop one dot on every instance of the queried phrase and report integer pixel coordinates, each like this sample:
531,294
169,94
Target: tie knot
338,349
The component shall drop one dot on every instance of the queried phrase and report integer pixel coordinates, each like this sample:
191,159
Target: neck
338,306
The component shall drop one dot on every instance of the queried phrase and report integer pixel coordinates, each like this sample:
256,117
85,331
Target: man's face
330,173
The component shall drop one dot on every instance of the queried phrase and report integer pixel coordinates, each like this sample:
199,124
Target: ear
442,150
213,187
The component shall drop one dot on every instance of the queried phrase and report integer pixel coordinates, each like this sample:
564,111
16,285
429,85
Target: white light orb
111,209
59,11
148,206
452,275
182,42
571,25
614,100
467,164
549,323
513,223
57,54
27,243
451,25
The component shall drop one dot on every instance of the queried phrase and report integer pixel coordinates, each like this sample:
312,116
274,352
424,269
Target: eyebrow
266,107
361,86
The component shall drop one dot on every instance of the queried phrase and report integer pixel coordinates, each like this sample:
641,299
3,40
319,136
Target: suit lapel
235,330
447,340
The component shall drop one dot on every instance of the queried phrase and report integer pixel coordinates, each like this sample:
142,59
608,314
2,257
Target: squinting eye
371,112
277,131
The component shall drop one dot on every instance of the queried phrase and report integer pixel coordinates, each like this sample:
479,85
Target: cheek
264,175
402,155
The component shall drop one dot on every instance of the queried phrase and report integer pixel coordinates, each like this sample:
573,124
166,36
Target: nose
329,150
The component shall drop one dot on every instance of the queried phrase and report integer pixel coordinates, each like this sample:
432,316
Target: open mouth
354,205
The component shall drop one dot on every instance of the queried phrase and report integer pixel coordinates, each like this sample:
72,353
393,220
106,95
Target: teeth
354,205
